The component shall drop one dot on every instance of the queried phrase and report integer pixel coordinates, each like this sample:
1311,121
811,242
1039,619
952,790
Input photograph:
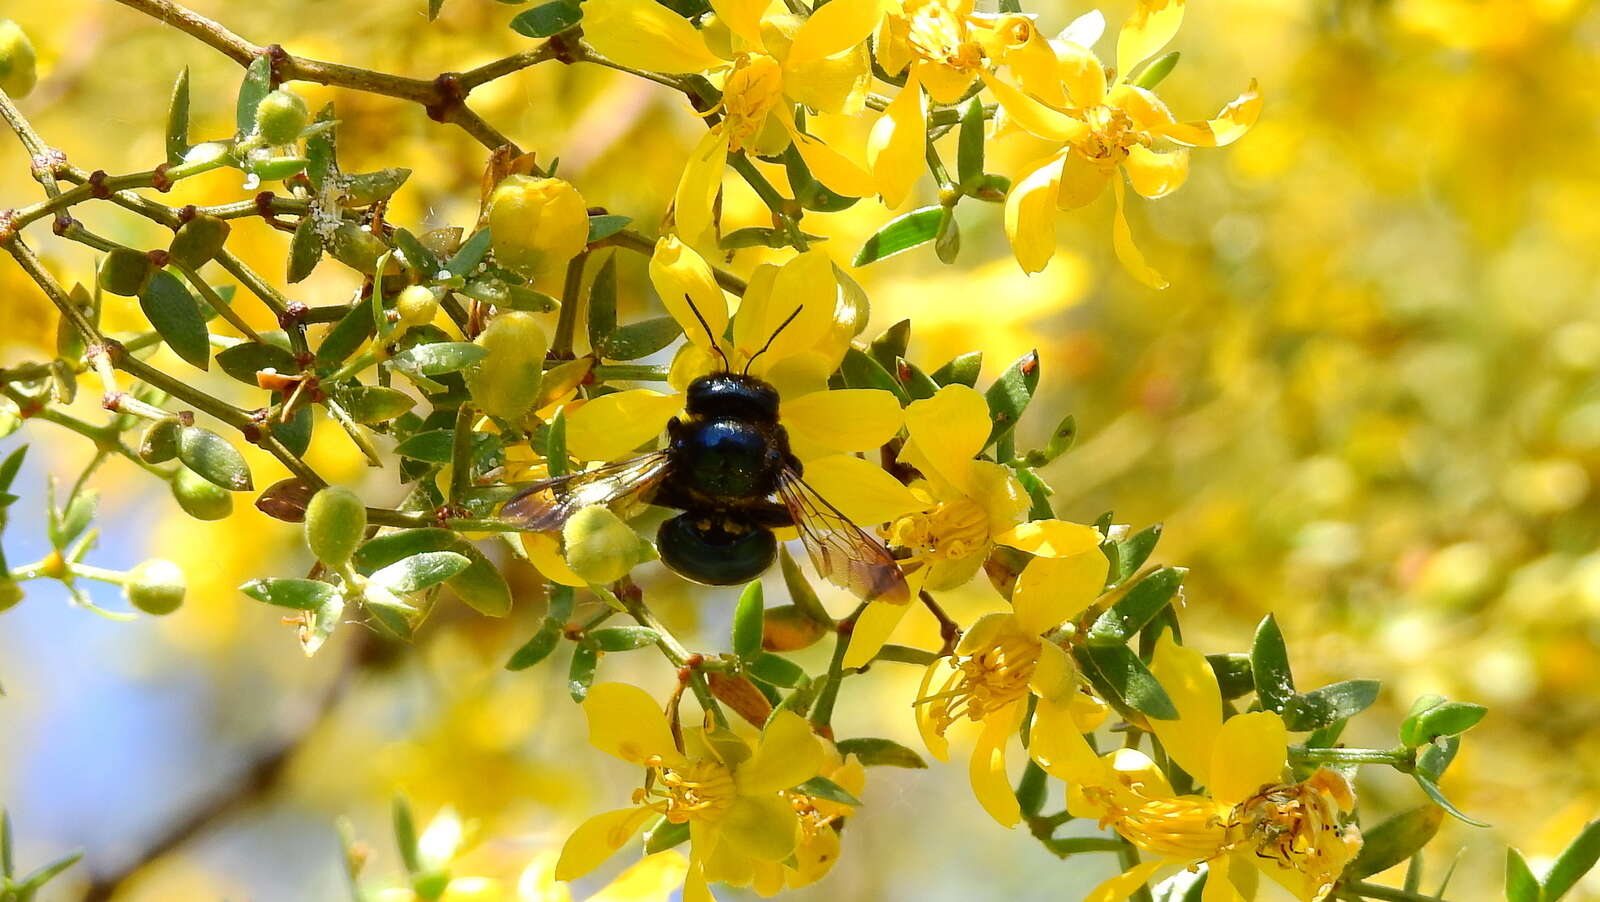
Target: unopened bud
10,593
600,547
416,306
17,63
505,383
126,271
538,225
198,240
281,117
199,497
155,587
336,521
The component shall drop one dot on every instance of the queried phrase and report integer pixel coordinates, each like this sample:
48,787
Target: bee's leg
770,514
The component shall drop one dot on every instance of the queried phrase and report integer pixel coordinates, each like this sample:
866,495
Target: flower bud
600,547
160,441
538,225
281,117
17,73
155,587
199,497
416,306
505,383
126,271
10,593
198,240
336,521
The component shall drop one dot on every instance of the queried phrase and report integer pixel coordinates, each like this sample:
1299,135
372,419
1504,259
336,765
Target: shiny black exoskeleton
728,453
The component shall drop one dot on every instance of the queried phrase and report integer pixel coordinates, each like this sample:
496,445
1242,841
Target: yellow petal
834,28
1031,215
1124,884
945,84
873,629
1143,106
1052,590
646,35
832,168
833,84
1051,538
946,432
1155,174
937,679
694,885
1082,73
1082,180
1127,252
655,877
1034,117
1220,885
849,419
1056,744
762,827
626,722
1192,685
610,426
789,754
743,17
597,838
896,147
1251,750
861,490
990,783
1229,126
805,289
1034,63
1152,25
679,275
544,553
699,184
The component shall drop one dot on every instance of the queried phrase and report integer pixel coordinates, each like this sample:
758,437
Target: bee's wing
844,553
545,505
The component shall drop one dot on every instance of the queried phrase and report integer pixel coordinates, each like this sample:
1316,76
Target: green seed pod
537,224
506,382
155,587
10,594
600,547
126,271
281,117
199,498
160,441
336,522
198,240
416,306
17,63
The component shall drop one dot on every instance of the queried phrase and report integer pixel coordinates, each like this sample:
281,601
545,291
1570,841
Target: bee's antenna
715,344
773,337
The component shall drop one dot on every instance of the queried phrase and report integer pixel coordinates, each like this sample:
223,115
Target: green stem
627,372
822,711
1387,893
215,301
784,210
1128,857
567,319
632,601
1397,757
1073,845
461,454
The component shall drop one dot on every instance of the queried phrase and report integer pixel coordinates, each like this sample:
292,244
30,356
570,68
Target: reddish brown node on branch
159,179
97,184
449,95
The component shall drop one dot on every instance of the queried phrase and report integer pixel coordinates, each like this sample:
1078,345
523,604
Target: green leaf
321,155
366,188
210,455
420,571
344,338
580,676
299,594
824,788
547,19
7,861
1158,69
43,874
555,444
1039,493
1322,707
244,360
1444,719
405,835
1269,665
1133,551
603,303
1573,863
1395,840
1033,788
421,261
371,403
901,234
175,315
1128,681
1521,885
624,638
1066,432
778,671
890,345
1146,599
1008,397
433,446
419,362
1410,728
969,149
1432,789
801,593
480,585
861,371
10,467
470,254
665,835
919,385
604,225
747,622
257,84
640,339
947,241
812,194
1434,759
962,370
874,752
76,518
1233,672
178,120
539,647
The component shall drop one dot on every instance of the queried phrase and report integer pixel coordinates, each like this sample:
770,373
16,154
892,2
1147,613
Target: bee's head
733,395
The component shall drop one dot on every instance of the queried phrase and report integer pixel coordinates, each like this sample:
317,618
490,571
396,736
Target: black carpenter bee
725,460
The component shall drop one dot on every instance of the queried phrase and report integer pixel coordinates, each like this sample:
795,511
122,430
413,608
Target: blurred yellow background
1368,403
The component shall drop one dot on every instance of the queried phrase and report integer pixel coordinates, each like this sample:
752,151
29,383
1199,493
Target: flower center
812,821
752,89
701,790
984,682
939,36
1298,825
1186,827
1111,132
950,531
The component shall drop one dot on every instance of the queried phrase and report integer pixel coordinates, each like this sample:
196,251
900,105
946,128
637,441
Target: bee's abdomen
729,459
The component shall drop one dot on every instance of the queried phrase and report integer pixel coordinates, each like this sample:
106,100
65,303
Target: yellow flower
1005,658
770,63
949,517
1101,127
730,793
1249,818
655,878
